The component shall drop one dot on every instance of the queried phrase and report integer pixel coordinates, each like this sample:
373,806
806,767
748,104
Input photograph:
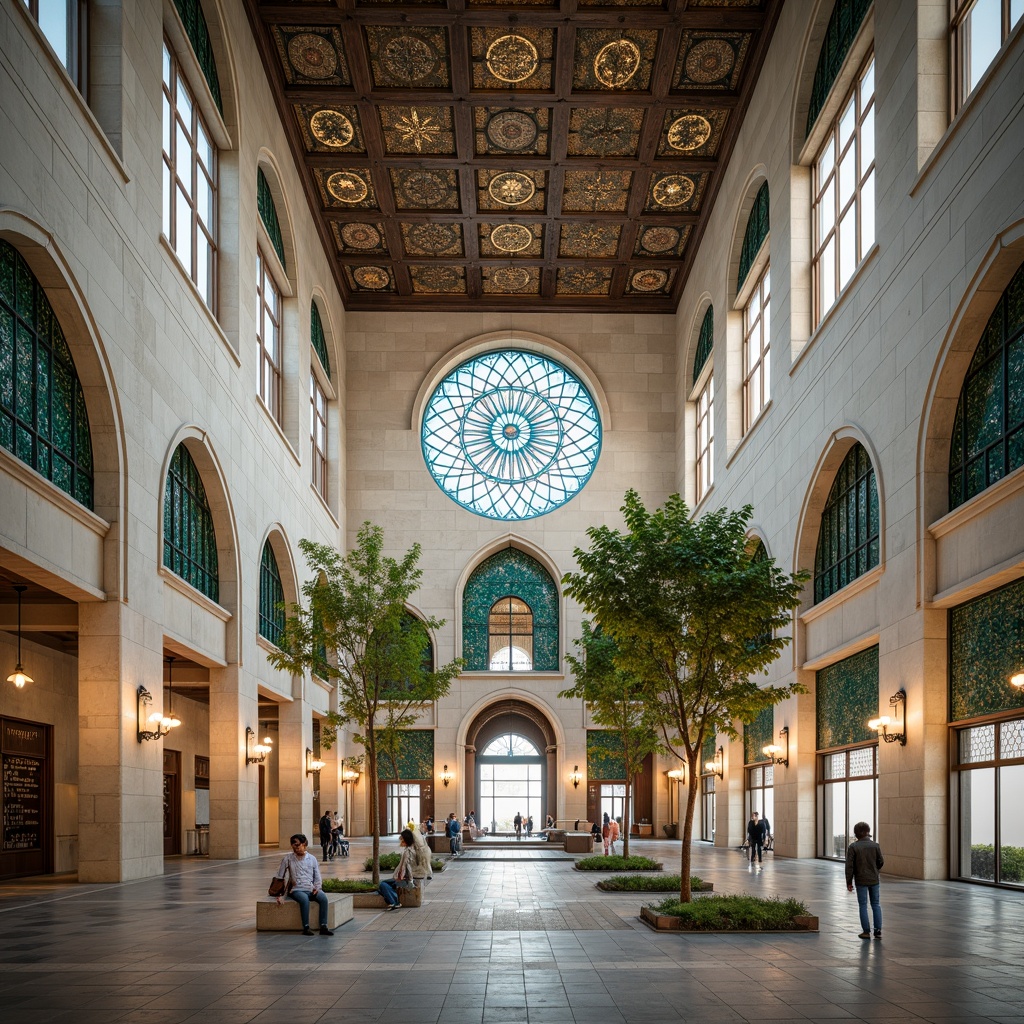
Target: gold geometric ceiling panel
512,154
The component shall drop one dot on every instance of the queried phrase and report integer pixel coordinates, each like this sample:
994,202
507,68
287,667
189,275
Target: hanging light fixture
163,723
19,676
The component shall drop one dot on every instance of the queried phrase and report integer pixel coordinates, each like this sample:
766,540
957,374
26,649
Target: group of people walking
332,836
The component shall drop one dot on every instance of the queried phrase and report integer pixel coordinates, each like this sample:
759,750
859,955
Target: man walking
863,860
755,836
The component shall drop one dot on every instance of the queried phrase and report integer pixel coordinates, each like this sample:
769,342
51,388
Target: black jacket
755,832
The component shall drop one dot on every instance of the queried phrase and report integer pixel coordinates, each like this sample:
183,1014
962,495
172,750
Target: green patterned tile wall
757,735
986,647
847,697
604,756
510,572
415,757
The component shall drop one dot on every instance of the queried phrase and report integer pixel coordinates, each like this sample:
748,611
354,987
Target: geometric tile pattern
846,698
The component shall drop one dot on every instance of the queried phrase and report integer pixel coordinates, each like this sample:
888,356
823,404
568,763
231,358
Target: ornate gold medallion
434,239
347,187
674,190
616,63
709,61
331,128
312,55
409,58
659,239
417,130
371,277
360,236
689,132
511,279
511,188
511,237
649,280
512,130
512,58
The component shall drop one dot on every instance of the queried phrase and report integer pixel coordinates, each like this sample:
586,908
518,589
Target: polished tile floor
507,936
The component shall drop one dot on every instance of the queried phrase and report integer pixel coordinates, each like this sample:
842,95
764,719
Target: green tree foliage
355,609
694,617
616,700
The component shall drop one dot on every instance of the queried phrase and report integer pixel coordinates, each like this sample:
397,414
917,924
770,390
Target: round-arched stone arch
266,162
55,275
836,448
199,446
757,177
692,338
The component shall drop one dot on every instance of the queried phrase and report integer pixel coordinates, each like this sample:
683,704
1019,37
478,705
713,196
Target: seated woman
303,883
402,876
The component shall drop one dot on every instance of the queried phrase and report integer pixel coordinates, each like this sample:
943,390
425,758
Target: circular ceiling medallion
511,188
512,130
616,63
511,237
659,239
511,435
649,280
331,128
409,58
511,279
348,187
512,58
689,132
674,190
433,238
312,55
709,61
424,188
360,236
438,279
374,278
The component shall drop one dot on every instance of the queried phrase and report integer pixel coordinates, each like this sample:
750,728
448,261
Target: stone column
120,781
295,786
234,785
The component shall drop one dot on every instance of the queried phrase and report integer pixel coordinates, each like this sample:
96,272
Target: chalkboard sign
23,803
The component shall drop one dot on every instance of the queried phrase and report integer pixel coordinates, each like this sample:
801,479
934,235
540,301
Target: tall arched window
319,364
190,542
988,432
704,385
757,308
43,419
509,615
848,545
271,597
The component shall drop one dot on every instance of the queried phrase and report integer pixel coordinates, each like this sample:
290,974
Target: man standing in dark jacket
326,825
755,836
863,860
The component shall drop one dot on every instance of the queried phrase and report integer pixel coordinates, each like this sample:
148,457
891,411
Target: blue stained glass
511,435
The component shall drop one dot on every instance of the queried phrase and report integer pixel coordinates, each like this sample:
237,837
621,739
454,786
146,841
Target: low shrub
389,861
648,883
733,913
618,863
1011,862
348,885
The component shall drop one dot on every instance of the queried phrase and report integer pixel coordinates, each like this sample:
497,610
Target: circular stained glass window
511,435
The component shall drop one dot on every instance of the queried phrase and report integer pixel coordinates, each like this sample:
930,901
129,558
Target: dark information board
22,803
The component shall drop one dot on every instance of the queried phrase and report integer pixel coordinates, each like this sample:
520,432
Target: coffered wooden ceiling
522,155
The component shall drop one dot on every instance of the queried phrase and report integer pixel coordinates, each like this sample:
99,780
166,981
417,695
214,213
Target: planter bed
652,883
618,863
725,914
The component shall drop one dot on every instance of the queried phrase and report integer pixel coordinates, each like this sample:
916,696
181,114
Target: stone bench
579,842
374,900
287,917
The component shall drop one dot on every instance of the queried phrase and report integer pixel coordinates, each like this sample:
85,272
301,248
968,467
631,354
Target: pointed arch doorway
511,760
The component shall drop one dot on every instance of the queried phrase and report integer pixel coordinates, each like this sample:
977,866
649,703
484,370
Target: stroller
339,845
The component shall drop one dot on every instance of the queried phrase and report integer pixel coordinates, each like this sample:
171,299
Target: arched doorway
510,758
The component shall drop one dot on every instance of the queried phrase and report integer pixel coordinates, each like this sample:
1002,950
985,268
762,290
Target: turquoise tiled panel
415,757
757,735
605,762
705,343
986,647
847,697
510,572
757,231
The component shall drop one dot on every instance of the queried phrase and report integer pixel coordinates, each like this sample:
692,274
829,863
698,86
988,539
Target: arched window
510,744
318,410
510,615
848,544
511,635
988,432
705,406
43,419
271,597
758,226
842,30
190,542
757,308
268,214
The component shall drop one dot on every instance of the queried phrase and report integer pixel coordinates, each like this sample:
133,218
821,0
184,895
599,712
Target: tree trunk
692,782
625,817
371,768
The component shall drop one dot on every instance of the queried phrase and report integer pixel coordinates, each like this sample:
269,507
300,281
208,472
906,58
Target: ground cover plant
348,885
733,913
617,863
389,861
650,883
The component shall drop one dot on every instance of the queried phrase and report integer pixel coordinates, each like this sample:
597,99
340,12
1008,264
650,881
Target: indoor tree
694,616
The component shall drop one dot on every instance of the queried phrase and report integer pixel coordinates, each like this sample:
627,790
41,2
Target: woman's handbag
276,887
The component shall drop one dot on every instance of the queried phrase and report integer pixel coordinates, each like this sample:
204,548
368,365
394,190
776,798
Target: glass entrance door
403,803
510,780
613,799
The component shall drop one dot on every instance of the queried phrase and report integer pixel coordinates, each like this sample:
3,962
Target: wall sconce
775,750
574,777
717,766
164,722
259,750
19,676
881,724
313,764
1016,680
349,774
446,776
676,774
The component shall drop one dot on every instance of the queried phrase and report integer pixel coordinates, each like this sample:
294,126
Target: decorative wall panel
605,761
846,699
